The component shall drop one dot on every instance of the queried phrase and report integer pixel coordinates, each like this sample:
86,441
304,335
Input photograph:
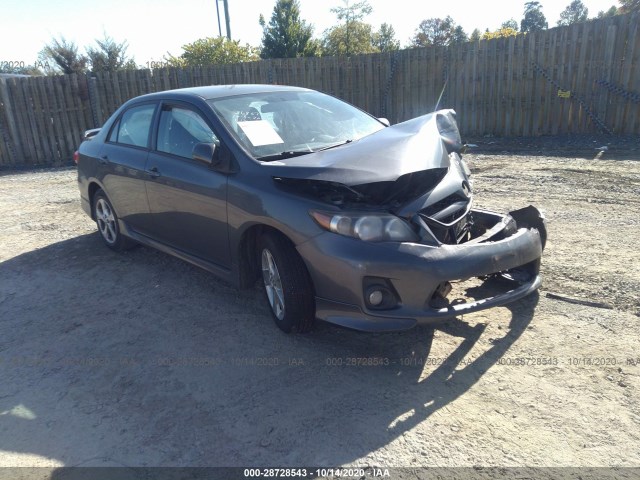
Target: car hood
407,147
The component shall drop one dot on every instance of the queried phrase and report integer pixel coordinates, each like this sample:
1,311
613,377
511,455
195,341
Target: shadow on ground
139,359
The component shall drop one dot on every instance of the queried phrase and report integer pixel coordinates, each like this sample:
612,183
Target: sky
154,28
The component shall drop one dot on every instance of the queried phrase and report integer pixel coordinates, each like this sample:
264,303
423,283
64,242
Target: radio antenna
441,93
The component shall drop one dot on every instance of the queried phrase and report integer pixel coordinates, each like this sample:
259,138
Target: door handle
153,172
104,159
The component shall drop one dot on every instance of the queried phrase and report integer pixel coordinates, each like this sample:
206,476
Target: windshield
283,124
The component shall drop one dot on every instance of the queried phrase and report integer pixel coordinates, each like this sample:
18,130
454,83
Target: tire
286,284
107,223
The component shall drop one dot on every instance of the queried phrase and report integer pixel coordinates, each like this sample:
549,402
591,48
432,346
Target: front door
187,198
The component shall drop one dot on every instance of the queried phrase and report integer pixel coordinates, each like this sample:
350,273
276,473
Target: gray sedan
342,217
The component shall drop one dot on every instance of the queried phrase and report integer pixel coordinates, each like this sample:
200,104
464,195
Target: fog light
379,294
375,298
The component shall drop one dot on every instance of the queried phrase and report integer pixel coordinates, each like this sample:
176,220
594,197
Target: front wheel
107,222
287,284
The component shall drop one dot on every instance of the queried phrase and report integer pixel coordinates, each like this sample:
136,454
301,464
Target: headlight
370,227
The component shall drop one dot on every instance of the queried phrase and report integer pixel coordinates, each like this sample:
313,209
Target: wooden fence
579,79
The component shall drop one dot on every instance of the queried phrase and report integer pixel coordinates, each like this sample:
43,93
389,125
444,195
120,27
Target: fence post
14,144
387,88
444,96
5,139
270,64
607,62
94,102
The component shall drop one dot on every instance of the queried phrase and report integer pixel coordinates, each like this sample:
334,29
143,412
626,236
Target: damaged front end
406,193
507,260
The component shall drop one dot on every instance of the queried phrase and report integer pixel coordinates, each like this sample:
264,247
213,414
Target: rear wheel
107,222
287,285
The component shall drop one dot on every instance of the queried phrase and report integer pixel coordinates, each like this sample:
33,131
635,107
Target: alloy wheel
106,221
272,284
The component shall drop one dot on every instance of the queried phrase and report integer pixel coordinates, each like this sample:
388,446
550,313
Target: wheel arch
92,188
247,252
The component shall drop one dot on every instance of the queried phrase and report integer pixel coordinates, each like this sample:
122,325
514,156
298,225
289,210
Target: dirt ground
140,359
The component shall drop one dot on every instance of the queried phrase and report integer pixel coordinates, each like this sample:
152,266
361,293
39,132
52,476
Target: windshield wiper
283,155
334,145
297,153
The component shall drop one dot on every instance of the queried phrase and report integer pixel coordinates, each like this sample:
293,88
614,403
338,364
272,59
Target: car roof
219,91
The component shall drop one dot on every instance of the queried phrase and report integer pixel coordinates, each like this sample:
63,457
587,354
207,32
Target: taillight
76,157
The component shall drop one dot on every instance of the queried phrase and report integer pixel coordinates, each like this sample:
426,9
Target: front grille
449,219
435,209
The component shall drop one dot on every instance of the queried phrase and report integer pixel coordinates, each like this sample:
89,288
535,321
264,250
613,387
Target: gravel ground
140,359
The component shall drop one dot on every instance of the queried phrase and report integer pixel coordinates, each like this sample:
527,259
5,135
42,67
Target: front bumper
338,266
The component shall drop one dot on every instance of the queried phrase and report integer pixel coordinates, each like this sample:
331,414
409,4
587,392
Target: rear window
134,126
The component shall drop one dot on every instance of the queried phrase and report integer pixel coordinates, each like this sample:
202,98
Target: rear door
187,198
122,162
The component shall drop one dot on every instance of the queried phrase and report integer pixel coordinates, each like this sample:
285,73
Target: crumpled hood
386,155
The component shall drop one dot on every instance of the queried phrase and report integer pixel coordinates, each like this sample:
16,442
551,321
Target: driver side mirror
206,153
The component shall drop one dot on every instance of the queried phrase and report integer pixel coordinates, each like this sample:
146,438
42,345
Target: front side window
133,126
180,130
268,124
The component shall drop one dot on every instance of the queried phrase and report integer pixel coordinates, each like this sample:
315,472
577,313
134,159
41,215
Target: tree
384,40
352,40
64,55
575,12
350,37
500,33
533,20
613,10
629,6
286,35
475,35
213,51
433,32
110,56
511,23
458,35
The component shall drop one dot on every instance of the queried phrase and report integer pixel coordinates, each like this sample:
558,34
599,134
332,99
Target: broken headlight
370,227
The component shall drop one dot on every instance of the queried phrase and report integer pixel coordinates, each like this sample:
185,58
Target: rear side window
133,126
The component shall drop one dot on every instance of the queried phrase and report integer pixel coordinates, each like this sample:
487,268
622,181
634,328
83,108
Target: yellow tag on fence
564,93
